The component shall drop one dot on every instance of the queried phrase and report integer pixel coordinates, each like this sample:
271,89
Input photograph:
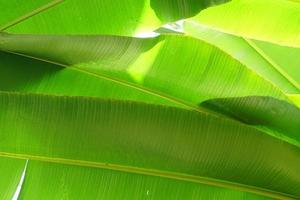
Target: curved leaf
23,74
273,62
128,17
274,21
180,67
155,140
176,70
260,111
85,147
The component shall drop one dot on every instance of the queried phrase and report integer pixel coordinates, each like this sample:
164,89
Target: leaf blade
273,21
148,148
270,61
121,185
93,17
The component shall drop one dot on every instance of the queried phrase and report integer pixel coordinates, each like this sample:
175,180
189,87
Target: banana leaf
89,112
275,21
130,17
275,63
178,68
161,141
151,66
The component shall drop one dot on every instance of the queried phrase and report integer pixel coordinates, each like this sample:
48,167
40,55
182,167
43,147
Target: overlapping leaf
275,21
179,66
176,70
156,140
274,63
129,17
242,142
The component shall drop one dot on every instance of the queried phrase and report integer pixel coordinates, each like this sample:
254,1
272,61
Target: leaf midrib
269,60
134,86
31,14
129,169
169,98
154,172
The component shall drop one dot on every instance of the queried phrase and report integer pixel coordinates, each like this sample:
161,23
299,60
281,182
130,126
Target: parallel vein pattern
49,126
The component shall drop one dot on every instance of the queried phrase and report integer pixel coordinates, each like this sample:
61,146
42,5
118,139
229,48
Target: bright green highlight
274,21
129,17
265,59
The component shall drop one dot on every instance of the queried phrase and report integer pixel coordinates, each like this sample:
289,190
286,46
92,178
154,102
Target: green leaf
260,111
61,181
295,99
177,68
89,116
10,173
273,62
28,75
154,140
15,11
286,57
128,17
275,21
170,70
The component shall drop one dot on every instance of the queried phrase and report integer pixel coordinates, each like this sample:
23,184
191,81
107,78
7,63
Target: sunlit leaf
269,20
149,99
129,17
295,99
286,59
146,66
178,68
273,62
